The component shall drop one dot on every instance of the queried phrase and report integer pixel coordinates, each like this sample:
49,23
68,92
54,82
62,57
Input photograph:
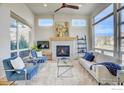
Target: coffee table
65,64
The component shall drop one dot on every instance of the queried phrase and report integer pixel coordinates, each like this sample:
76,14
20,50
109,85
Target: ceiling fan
64,5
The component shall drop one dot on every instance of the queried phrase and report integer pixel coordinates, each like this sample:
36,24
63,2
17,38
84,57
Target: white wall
4,37
44,33
22,11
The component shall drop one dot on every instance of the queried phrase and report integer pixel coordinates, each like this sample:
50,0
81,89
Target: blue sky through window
104,13
104,28
45,22
79,22
122,16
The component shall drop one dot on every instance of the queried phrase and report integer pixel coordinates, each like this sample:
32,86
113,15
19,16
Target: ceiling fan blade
64,5
72,6
59,8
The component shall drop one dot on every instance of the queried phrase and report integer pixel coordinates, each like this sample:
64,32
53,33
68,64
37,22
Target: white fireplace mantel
62,38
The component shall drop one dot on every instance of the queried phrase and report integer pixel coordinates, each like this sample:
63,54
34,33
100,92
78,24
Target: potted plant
34,47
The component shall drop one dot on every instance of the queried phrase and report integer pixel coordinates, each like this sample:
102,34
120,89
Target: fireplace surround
63,41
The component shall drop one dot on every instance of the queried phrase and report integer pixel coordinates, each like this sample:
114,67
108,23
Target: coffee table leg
58,72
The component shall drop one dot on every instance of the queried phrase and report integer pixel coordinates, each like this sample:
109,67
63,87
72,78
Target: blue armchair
39,59
24,74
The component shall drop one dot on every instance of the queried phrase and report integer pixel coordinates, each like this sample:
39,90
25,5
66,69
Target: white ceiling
86,9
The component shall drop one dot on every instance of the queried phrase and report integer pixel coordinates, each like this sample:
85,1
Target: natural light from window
105,12
45,22
79,22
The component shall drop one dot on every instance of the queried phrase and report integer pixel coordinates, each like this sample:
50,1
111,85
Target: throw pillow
90,57
17,63
39,54
87,54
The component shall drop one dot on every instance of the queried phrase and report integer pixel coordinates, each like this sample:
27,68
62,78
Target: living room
62,33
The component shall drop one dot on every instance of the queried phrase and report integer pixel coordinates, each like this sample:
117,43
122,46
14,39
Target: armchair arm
21,71
14,69
17,70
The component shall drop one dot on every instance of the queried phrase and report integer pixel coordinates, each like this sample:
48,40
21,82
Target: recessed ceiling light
45,5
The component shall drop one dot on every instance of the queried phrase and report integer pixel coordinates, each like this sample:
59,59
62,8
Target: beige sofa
100,72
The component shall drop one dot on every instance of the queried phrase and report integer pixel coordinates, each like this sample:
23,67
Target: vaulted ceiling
49,8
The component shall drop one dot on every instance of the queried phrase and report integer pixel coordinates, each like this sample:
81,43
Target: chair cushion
31,71
17,63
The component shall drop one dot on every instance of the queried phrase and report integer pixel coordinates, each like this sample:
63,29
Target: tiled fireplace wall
70,43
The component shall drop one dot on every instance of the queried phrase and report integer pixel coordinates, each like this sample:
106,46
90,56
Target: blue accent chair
42,59
19,74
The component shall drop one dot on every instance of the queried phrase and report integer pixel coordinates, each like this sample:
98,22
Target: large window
13,36
104,34
19,36
109,31
121,13
104,29
23,35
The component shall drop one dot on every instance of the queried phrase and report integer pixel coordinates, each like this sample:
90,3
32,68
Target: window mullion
17,38
116,51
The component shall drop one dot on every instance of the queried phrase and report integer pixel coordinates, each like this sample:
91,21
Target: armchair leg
25,77
12,82
121,83
99,83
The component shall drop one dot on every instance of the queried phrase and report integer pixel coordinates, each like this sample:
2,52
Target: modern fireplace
63,51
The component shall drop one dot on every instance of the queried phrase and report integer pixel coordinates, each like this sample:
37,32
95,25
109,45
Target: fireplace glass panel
63,51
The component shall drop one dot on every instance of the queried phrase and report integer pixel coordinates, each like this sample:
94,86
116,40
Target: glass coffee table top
65,64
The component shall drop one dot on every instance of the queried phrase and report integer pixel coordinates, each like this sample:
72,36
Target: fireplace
63,51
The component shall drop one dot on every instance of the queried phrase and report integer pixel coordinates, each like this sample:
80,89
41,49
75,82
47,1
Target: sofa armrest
120,75
122,67
102,73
